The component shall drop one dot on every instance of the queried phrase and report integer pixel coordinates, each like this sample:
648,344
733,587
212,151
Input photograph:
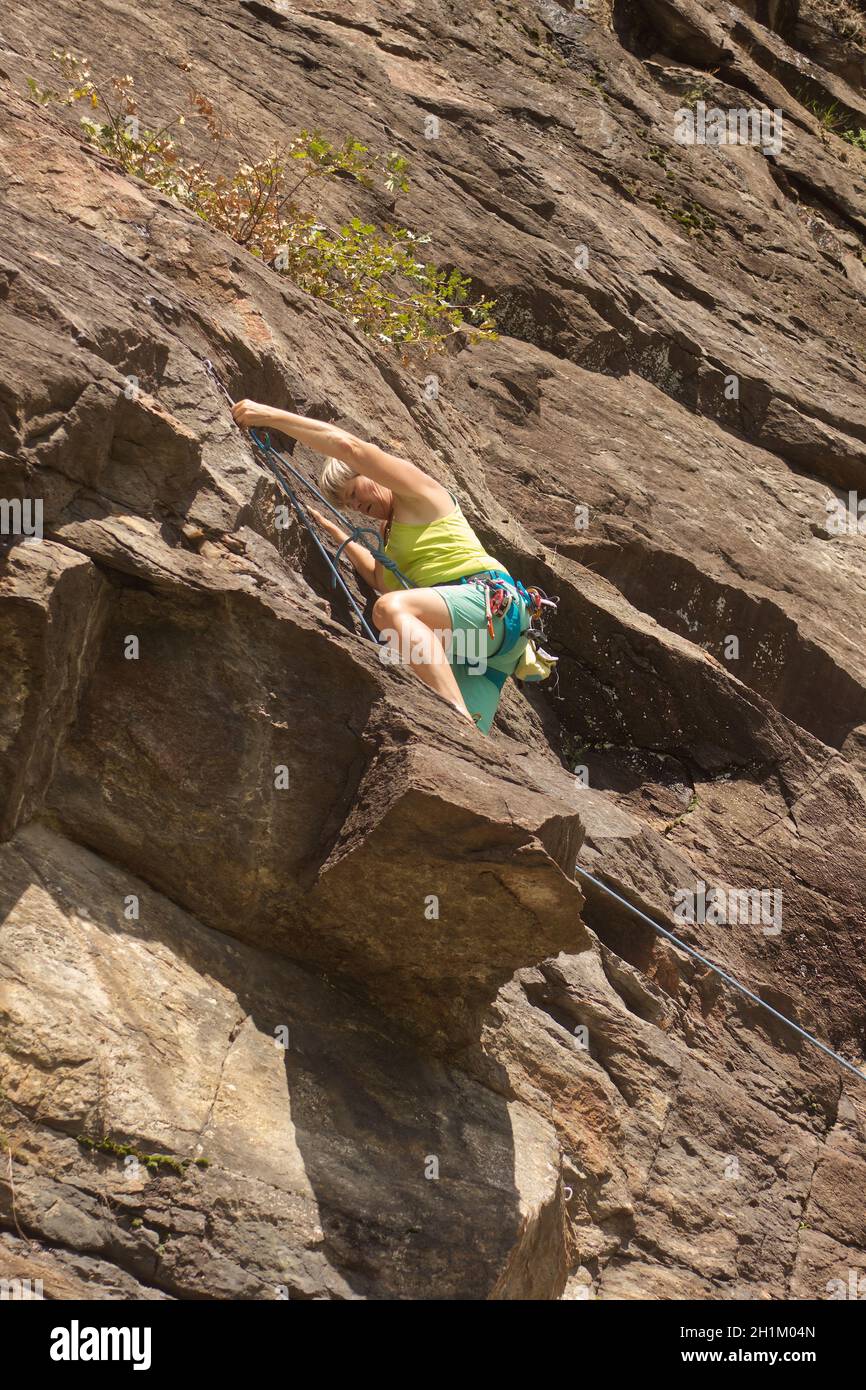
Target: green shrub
836,118
374,277
856,137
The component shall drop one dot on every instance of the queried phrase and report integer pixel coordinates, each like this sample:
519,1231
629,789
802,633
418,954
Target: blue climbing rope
278,466
816,1042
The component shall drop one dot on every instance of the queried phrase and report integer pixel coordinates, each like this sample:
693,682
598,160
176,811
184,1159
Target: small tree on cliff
374,277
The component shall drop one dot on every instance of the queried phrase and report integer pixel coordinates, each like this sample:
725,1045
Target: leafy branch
374,276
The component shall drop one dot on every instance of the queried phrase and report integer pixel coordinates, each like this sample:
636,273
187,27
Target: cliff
299,995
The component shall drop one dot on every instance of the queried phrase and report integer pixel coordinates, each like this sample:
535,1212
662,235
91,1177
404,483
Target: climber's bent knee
427,605
415,626
385,610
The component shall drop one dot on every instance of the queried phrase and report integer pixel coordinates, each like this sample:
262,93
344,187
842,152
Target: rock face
299,994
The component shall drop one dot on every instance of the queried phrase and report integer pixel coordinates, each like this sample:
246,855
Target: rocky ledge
299,994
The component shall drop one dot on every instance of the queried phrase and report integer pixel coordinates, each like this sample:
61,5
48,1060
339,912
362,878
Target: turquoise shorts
471,644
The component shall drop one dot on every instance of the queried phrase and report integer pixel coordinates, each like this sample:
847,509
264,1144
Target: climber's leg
418,625
471,646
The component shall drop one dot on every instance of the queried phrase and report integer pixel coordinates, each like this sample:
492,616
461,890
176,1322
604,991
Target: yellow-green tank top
437,551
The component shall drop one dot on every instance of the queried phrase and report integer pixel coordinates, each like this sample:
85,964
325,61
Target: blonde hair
335,479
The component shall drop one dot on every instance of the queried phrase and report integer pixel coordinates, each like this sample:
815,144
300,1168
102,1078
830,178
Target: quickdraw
499,591
497,601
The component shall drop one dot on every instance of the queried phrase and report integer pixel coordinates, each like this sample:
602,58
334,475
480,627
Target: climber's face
369,498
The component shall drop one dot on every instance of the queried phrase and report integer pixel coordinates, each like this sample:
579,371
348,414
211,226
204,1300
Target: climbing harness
278,466
729,979
500,588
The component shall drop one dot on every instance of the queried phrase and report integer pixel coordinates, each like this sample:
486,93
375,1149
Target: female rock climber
448,632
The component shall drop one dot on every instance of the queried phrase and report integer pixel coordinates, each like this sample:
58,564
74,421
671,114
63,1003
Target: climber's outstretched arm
403,478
